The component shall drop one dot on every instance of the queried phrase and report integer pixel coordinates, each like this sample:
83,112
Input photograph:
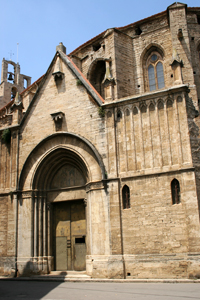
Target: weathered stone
122,149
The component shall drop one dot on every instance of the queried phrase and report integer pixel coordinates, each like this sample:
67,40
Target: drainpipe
16,201
16,232
119,193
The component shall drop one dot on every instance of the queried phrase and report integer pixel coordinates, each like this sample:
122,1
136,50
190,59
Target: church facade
100,157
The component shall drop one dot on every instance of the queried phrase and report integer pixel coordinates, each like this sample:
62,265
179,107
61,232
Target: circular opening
154,57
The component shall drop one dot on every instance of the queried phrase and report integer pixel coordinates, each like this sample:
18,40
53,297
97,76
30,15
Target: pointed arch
135,110
151,106
169,103
160,104
119,115
55,147
152,61
143,108
127,112
96,74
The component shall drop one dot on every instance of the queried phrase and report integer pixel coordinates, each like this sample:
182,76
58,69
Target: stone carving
58,119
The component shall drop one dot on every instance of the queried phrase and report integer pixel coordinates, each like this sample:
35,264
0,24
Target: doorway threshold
68,274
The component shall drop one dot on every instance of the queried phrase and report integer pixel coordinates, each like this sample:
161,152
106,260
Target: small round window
154,57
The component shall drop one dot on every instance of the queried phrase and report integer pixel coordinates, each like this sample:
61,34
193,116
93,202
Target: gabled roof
177,4
91,90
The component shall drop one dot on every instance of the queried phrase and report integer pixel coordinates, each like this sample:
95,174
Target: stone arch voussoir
79,147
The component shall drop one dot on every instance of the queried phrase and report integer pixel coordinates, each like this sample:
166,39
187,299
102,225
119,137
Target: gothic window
175,190
155,71
126,197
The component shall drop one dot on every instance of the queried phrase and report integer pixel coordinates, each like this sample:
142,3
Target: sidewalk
72,276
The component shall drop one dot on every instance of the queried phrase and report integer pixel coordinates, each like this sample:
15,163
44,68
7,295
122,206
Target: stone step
68,274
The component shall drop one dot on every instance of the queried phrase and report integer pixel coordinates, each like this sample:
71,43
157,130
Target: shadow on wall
33,268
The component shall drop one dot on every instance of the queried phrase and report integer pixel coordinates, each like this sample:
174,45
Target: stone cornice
149,95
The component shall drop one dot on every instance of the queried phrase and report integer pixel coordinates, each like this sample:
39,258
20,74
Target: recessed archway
60,181
96,75
56,174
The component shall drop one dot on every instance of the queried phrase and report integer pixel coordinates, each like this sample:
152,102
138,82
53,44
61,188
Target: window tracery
155,71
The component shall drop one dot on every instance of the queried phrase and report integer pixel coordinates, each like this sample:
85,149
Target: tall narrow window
126,197
160,75
154,70
152,82
175,190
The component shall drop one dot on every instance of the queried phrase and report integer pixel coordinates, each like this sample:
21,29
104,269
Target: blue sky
39,25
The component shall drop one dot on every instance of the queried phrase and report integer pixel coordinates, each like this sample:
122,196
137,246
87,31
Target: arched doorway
63,172
61,178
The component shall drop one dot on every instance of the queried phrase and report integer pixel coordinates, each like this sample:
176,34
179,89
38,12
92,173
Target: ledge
150,95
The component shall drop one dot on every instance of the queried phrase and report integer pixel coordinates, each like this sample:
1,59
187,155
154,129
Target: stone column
44,234
49,266
35,232
40,231
15,210
25,235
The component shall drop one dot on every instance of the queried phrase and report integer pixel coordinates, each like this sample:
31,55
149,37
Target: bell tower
11,81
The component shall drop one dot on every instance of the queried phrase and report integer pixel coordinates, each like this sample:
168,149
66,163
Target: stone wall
8,163
144,141
151,134
194,37
7,234
81,115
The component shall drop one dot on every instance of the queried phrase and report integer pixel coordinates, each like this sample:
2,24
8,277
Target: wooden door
69,235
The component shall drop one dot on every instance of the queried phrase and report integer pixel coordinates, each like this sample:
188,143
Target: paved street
97,290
